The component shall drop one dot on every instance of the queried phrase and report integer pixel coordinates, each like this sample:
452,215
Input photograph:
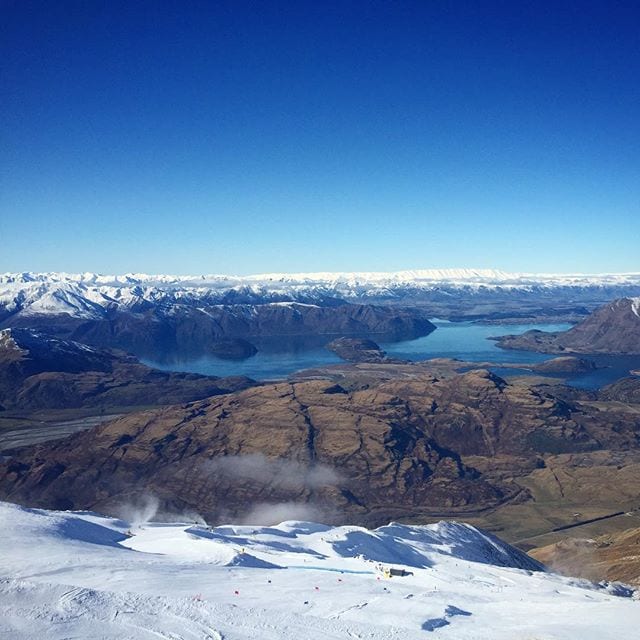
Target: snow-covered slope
81,575
90,295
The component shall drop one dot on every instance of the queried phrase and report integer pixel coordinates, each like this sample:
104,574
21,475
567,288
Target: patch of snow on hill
8,342
69,574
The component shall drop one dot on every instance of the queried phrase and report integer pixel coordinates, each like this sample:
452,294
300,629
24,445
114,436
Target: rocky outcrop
624,390
412,446
613,328
360,350
565,364
40,372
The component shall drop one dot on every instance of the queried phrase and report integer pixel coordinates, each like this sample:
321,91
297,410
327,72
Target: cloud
278,473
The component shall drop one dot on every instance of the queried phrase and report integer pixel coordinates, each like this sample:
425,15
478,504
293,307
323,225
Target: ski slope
80,575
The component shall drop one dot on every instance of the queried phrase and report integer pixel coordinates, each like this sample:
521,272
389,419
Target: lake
277,358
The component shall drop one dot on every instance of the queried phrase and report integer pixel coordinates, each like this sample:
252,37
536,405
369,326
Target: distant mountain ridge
189,325
294,286
90,295
613,328
41,372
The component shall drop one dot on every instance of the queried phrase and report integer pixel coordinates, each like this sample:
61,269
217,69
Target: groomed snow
80,575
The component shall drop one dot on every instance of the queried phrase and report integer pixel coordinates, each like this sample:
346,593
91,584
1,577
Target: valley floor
80,575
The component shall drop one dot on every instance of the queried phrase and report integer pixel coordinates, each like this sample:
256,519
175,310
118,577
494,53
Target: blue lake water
468,341
268,364
277,359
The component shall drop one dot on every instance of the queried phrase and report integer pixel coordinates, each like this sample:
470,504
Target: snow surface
91,296
81,575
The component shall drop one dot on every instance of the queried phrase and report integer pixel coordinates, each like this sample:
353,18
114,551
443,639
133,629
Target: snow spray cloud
185,516
277,473
140,511
147,508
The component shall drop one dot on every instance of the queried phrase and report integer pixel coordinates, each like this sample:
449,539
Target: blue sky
244,137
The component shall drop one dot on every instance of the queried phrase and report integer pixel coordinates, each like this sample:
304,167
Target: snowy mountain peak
488,276
92,296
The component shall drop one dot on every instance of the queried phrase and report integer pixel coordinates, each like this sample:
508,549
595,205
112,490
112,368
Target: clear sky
244,137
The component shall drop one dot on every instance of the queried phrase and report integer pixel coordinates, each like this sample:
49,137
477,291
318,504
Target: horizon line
421,273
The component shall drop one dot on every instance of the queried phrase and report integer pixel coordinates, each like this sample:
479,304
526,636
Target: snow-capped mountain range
82,575
90,295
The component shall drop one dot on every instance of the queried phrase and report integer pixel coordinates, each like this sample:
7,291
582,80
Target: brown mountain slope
40,372
623,390
406,447
613,328
608,557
